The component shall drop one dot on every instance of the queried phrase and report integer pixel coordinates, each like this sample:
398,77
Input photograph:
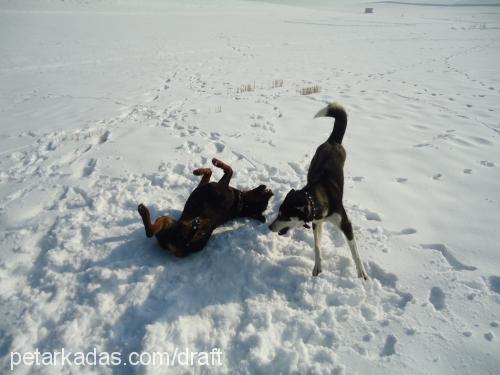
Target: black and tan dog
210,205
321,199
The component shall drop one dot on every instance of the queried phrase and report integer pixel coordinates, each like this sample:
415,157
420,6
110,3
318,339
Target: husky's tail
338,112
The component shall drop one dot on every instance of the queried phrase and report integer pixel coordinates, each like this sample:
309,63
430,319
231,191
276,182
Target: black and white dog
321,199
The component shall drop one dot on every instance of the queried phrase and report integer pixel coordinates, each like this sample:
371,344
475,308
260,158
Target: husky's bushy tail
338,112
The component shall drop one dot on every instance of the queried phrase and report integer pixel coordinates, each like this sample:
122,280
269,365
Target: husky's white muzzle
283,226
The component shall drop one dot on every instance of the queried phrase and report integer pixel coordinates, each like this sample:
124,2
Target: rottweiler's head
255,202
185,236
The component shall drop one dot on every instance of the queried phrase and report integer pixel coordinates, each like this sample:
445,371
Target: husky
321,199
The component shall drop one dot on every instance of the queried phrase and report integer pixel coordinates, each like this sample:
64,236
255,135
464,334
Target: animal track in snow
410,331
494,284
420,127
215,136
369,313
219,147
420,145
104,137
481,141
489,336
141,112
401,180
268,126
437,176
190,147
296,168
448,256
437,298
90,168
385,278
389,280
166,85
372,216
406,231
487,163
265,141
389,346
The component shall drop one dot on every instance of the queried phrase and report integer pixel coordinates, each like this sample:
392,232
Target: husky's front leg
317,229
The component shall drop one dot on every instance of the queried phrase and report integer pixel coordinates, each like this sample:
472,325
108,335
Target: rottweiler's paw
142,210
202,171
216,162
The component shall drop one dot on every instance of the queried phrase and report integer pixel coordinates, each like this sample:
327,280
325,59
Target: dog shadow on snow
229,269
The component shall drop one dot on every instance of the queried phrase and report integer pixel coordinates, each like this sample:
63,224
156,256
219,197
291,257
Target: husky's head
292,213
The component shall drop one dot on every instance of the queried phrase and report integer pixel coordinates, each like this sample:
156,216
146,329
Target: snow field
99,117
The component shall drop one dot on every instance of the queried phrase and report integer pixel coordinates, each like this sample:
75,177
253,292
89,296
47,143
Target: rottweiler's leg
151,229
146,219
206,173
228,172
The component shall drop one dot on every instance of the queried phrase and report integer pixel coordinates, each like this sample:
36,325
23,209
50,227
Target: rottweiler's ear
199,235
260,188
202,231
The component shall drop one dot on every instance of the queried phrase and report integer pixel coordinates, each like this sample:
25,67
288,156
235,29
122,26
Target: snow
107,104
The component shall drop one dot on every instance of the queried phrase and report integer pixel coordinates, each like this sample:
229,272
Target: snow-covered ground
107,104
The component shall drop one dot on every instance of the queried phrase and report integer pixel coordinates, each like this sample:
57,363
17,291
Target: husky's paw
362,274
317,269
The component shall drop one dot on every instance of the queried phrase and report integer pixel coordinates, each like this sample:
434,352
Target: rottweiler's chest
210,201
